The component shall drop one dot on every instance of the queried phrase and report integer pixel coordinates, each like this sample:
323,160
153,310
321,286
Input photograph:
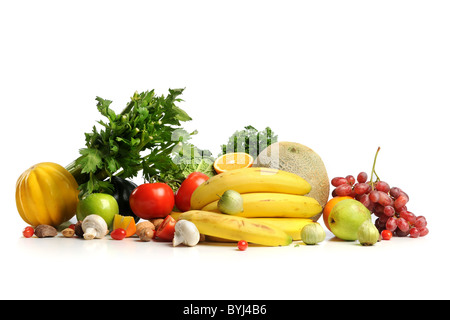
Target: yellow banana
217,239
236,228
248,180
292,226
284,205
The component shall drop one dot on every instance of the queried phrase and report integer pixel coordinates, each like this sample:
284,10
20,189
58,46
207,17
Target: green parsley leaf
141,137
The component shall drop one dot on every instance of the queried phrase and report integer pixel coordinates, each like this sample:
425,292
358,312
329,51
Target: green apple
101,204
346,217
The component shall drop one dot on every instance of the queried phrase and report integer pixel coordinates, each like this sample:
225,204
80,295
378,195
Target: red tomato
166,229
152,200
184,193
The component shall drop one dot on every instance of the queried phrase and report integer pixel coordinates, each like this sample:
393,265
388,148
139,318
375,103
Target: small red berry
242,245
119,234
386,234
28,232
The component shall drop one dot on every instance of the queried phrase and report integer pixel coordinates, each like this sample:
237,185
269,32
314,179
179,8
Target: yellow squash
46,194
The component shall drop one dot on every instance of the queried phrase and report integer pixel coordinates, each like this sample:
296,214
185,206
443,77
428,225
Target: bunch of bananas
275,206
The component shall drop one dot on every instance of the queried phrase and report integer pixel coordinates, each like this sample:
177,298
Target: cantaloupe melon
301,160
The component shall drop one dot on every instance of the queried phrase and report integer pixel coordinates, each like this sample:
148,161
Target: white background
342,77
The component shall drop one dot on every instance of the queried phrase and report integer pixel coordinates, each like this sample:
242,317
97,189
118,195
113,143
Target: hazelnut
68,232
146,234
142,225
157,222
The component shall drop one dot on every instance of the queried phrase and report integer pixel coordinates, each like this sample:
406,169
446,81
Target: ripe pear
346,217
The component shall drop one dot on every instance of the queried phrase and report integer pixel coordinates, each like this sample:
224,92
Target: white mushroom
94,226
186,233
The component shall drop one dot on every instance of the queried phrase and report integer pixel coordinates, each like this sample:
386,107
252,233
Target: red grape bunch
386,203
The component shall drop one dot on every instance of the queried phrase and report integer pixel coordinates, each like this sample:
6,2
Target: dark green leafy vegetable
250,141
141,137
187,159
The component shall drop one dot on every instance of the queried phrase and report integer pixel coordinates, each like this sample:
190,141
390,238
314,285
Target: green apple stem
373,169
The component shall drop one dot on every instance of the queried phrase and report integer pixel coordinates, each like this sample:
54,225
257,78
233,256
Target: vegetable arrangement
242,195
141,137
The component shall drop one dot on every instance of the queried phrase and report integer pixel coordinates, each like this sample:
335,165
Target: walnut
44,231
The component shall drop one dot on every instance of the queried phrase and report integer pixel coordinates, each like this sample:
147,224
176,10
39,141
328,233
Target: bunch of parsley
141,137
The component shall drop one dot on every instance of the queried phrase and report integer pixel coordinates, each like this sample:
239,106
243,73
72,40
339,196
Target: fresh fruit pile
257,191
260,205
387,203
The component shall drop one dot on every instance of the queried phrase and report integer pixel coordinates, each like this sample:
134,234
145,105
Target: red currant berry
242,245
386,234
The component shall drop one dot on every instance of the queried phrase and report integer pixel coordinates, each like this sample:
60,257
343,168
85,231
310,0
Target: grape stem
373,169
